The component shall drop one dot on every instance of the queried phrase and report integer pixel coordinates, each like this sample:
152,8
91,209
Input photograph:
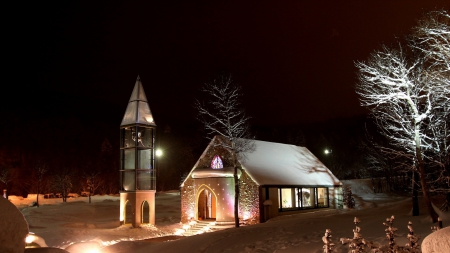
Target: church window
216,163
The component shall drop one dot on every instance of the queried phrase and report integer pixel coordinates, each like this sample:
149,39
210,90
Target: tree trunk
423,183
236,191
37,195
415,193
236,198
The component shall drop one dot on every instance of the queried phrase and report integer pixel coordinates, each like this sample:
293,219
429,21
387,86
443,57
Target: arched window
216,163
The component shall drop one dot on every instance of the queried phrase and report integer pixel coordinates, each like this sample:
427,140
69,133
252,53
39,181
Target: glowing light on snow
30,238
180,231
92,251
149,119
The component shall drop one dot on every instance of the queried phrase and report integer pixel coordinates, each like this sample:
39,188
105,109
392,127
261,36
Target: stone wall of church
248,199
187,200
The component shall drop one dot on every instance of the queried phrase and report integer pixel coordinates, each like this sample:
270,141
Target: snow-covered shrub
390,232
413,245
349,201
329,246
357,244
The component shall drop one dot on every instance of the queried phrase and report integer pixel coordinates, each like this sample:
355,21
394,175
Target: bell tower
137,161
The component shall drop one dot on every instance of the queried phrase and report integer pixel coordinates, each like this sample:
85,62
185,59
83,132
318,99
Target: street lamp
328,151
159,152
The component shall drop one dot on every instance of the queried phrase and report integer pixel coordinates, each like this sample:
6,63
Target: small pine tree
357,244
413,245
390,233
349,201
329,246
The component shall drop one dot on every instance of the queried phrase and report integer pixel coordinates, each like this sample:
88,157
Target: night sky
294,59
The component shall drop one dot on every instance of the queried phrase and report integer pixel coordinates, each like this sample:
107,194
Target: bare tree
404,92
222,115
5,176
432,39
63,182
40,169
93,182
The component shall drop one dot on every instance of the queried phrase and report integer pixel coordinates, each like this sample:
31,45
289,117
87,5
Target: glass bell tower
137,160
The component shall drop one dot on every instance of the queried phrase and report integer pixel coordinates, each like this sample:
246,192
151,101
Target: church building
274,179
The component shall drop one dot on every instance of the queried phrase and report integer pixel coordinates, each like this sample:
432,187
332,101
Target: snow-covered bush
413,245
390,232
329,246
357,244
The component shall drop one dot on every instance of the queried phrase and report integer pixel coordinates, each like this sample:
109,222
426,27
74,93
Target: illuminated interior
302,198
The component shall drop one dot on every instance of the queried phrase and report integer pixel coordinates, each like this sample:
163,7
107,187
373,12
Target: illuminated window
302,198
216,163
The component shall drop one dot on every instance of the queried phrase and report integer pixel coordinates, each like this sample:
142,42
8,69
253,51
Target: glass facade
137,170
302,198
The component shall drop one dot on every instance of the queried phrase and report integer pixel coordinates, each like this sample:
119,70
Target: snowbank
437,242
13,228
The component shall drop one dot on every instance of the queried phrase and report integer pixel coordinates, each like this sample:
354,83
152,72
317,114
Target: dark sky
295,59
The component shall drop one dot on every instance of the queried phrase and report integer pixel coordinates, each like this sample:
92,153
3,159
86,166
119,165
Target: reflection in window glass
128,137
286,198
129,159
322,197
128,180
306,197
145,159
144,180
145,137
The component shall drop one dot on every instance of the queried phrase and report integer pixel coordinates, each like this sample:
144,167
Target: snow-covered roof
282,164
138,110
271,163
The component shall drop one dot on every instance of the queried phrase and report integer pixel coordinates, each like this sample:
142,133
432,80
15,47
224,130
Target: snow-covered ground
65,224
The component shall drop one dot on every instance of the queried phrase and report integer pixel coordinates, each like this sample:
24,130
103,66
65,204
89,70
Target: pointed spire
138,110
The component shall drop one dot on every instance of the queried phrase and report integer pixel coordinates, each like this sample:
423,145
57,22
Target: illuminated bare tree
222,115
432,39
408,95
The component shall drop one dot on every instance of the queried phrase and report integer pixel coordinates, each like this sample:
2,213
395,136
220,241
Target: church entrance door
206,205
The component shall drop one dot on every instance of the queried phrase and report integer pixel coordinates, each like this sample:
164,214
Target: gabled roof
282,164
138,110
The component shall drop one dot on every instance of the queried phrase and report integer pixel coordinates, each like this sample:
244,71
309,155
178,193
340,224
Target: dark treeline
74,146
